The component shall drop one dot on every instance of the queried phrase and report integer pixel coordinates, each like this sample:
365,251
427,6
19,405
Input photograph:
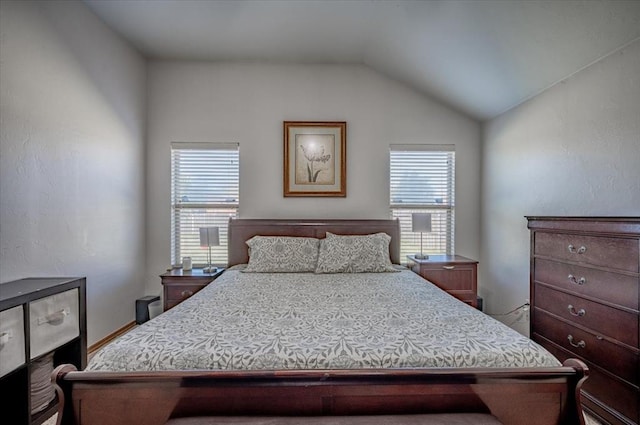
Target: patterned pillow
282,254
355,254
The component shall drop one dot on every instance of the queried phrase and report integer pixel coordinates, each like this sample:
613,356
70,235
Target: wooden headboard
241,230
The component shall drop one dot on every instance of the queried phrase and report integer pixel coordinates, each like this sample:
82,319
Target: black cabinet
43,323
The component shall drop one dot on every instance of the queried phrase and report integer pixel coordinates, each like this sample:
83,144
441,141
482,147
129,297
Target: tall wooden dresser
585,278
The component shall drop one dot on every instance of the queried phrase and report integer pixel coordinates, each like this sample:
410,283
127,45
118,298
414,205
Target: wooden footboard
532,396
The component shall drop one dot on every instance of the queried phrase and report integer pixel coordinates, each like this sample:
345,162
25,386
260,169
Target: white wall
72,111
573,150
247,103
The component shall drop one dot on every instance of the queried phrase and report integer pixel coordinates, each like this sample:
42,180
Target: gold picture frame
315,158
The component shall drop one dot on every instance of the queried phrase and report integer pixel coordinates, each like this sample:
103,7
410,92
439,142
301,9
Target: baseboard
107,339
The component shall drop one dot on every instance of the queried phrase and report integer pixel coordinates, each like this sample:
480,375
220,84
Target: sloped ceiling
481,57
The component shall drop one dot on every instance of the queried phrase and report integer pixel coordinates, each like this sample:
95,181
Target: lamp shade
209,236
420,222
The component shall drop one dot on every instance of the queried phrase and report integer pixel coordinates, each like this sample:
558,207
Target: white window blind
204,192
422,180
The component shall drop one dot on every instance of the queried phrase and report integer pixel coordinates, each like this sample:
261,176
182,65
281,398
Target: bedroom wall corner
73,116
573,150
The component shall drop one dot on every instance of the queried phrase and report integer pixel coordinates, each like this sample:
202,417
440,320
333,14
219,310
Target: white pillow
282,254
355,254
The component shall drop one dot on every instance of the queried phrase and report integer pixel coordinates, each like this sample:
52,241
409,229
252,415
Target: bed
300,326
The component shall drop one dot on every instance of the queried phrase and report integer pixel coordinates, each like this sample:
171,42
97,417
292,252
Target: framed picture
315,158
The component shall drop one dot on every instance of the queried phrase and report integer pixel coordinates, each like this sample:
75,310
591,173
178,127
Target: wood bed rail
530,396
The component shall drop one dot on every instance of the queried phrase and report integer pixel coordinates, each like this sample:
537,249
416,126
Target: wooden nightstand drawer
453,273
179,284
450,277
182,292
468,297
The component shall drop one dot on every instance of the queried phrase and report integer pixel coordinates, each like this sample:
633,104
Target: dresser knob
573,279
186,293
573,250
573,311
579,344
448,267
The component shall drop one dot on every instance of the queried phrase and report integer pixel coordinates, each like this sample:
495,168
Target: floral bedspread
320,321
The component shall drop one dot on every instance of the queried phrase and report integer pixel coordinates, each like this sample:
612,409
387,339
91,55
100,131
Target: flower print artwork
314,161
315,158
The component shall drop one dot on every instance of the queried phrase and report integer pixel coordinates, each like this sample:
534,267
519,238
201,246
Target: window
422,180
204,192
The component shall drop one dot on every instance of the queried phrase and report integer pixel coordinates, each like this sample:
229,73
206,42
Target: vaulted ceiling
481,57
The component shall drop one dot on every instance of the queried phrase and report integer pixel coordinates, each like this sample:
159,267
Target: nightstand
178,285
455,274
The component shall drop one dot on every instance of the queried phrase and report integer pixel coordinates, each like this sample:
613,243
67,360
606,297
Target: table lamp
209,236
421,222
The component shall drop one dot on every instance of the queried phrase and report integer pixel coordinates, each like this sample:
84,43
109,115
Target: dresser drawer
615,253
620,361
607,389
615,288
11,339
53,321
613,392
617,324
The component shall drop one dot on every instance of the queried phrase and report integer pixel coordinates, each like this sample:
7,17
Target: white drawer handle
579,344
573,311
448,267
573,250
54,318
5,337
573,279
186,293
